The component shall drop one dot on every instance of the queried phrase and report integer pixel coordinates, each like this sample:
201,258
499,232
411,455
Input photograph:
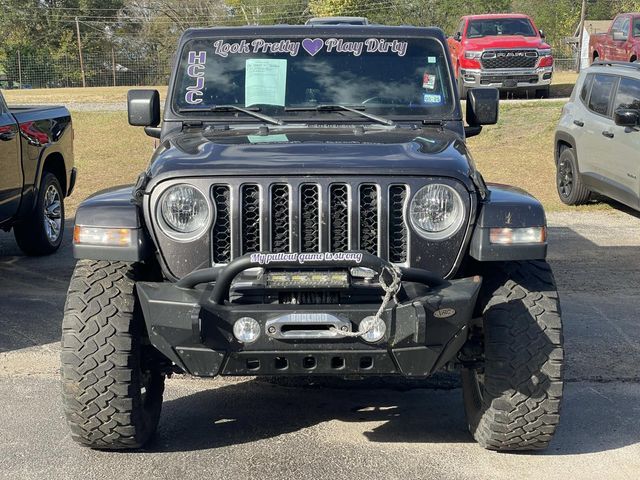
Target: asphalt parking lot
243,428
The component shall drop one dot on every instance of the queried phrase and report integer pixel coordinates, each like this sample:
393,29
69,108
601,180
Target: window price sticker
428,81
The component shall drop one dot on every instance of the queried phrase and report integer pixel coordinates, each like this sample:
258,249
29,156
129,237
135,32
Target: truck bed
34,113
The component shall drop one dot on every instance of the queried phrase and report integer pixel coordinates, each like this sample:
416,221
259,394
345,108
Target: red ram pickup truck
504,51
620,43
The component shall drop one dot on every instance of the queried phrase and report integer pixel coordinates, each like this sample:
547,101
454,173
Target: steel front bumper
193,327
507,79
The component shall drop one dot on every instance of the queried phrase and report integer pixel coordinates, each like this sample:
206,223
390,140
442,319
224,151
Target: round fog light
374,327
246,330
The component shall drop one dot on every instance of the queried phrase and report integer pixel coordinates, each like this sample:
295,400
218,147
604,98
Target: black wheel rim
565,178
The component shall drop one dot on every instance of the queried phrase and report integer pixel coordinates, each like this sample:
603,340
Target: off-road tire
578,194
105,359
512,398
31,235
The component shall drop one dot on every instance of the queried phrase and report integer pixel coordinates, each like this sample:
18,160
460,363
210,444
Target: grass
73,95
562,85
518,151
107,151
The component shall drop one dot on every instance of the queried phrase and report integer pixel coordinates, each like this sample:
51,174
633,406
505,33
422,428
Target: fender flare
566,138
114,208
46,152
507,207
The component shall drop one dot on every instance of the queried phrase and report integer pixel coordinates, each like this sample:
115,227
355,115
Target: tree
332,8
260,12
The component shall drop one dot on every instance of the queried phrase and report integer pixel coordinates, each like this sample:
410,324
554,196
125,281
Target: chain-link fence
28,70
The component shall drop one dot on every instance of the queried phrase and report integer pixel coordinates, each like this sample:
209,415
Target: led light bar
312,279
517,236
112,237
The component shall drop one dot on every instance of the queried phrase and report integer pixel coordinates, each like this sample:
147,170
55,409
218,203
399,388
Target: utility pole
583,14
84,81
19,70
113,64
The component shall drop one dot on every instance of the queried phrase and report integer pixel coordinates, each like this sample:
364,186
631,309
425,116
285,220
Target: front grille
398,232
221,235
496,59
280,230
250,218
369,218
339,218
310,216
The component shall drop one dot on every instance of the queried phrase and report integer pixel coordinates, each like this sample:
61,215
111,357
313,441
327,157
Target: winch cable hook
391,289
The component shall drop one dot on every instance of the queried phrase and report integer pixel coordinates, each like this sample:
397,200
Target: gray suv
597,143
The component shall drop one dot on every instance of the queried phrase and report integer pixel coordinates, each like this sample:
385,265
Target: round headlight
436,211
184,209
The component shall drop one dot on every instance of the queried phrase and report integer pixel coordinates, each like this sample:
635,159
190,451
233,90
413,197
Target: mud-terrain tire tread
102,333
579,193
520,405
30,234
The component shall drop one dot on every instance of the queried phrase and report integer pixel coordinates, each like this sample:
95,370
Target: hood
309,151
505,41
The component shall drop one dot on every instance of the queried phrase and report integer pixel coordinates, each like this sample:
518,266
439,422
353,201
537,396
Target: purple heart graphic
312,46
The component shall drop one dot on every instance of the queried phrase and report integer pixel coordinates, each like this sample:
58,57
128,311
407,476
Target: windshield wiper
231,108
358,110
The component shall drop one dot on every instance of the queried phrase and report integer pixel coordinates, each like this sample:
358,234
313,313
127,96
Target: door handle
579,123
608,134
5,137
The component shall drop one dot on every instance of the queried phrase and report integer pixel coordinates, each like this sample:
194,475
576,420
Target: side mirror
619,36
542,34
626,117
483,105
143,108
457,36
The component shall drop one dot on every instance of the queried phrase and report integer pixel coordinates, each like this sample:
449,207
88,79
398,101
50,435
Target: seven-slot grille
495,59
309,216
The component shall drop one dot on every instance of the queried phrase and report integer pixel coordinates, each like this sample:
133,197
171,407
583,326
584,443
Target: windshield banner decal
311,46
302,258
195,70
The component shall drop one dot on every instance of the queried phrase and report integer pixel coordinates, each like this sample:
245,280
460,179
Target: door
455,46
10,165
596,161
610,46
621,47
627,146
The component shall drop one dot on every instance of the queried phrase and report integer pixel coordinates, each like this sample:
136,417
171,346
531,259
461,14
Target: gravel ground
244,428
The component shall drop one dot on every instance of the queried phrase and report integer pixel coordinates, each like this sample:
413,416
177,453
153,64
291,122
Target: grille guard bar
223,276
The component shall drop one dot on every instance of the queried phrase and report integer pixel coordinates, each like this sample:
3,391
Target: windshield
298,77
500,26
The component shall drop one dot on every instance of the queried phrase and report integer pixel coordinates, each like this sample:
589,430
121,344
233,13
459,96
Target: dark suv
312,210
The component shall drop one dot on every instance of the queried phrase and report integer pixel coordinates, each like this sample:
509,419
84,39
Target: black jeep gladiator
36,174
312,210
